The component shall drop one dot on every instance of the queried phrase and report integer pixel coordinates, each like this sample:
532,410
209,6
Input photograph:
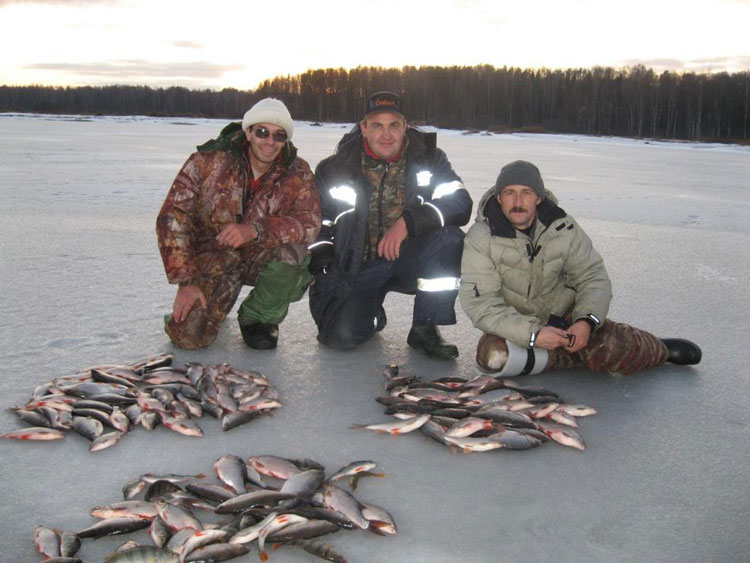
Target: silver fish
143,554
395,428
47,542
563,435
273,466
70,543
231,470
37,433
113,526
339,499
126,509
381,521
176,517
105,441
88,427
217,552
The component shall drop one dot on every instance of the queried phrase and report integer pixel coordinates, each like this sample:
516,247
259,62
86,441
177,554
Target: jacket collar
546,213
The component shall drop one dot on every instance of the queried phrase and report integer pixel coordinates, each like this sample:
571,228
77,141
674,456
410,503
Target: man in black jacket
392,207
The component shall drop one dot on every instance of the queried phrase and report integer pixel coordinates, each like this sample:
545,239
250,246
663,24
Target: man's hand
581,331
389,246
549,338
187,295
236,235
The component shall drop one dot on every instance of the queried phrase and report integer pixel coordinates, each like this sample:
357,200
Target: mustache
518,210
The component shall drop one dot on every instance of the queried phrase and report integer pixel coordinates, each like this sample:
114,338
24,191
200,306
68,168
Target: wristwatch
593,321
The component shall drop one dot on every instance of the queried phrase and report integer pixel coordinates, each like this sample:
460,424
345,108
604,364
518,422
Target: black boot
260,336
682,352
427,338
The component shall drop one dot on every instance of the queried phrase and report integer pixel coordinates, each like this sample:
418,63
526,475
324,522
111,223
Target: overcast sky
239,43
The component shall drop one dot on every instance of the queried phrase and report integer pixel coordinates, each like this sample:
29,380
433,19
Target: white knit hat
269,110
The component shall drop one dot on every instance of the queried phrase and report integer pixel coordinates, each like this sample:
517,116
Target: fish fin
263,555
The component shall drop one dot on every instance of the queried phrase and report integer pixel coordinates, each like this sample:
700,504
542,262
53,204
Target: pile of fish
149,392
258,501
479,414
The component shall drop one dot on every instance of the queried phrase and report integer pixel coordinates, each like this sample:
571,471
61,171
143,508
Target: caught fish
217,552
105,441
468,426
345,503
395,428
36,433
381,521
70,543
185,427
274,525
114,526
136,509
47,542
89,428
320,549
469,444
273,466
143,554
563,435
246,500
231,470
355,471
176,517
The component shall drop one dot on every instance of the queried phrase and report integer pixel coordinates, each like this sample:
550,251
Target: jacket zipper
380,201
534,247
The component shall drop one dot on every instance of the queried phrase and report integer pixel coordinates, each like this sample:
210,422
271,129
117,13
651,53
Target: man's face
519,205
384,133
263,148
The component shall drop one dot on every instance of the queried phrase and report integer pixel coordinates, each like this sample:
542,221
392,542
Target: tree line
632,102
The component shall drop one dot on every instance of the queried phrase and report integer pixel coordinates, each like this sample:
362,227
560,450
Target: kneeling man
241,211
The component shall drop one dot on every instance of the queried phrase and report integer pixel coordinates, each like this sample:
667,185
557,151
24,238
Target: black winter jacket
435,197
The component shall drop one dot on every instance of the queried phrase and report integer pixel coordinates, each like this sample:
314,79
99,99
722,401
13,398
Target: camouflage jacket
387,199
511,283
212,191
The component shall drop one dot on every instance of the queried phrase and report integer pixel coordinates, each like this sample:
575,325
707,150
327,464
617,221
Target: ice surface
666,470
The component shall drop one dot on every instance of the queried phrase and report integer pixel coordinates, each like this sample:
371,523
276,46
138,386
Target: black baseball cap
384,101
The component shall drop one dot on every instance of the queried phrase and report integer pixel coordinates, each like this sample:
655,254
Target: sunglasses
263,133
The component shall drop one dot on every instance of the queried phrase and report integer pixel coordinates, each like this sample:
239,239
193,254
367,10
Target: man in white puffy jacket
533,283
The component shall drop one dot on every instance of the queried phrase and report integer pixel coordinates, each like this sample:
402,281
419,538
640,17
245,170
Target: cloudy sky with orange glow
230,43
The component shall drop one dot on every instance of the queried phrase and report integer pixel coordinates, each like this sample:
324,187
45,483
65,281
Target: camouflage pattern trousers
614,348
280,277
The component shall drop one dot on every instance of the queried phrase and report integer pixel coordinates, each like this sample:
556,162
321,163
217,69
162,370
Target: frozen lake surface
665,474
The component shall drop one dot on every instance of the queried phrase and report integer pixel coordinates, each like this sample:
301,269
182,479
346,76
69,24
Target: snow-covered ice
665,474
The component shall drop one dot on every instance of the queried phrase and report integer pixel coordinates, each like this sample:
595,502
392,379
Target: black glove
322,256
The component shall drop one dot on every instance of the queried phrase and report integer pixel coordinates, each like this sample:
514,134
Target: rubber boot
427,338
682,352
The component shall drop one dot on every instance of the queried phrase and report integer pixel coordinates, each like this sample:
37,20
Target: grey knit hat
269,110
523,173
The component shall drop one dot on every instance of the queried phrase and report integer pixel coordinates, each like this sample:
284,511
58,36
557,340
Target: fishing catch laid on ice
479,414
258,501
102,403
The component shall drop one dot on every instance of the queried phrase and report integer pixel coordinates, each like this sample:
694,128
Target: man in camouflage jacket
533,283
392,208
241,211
